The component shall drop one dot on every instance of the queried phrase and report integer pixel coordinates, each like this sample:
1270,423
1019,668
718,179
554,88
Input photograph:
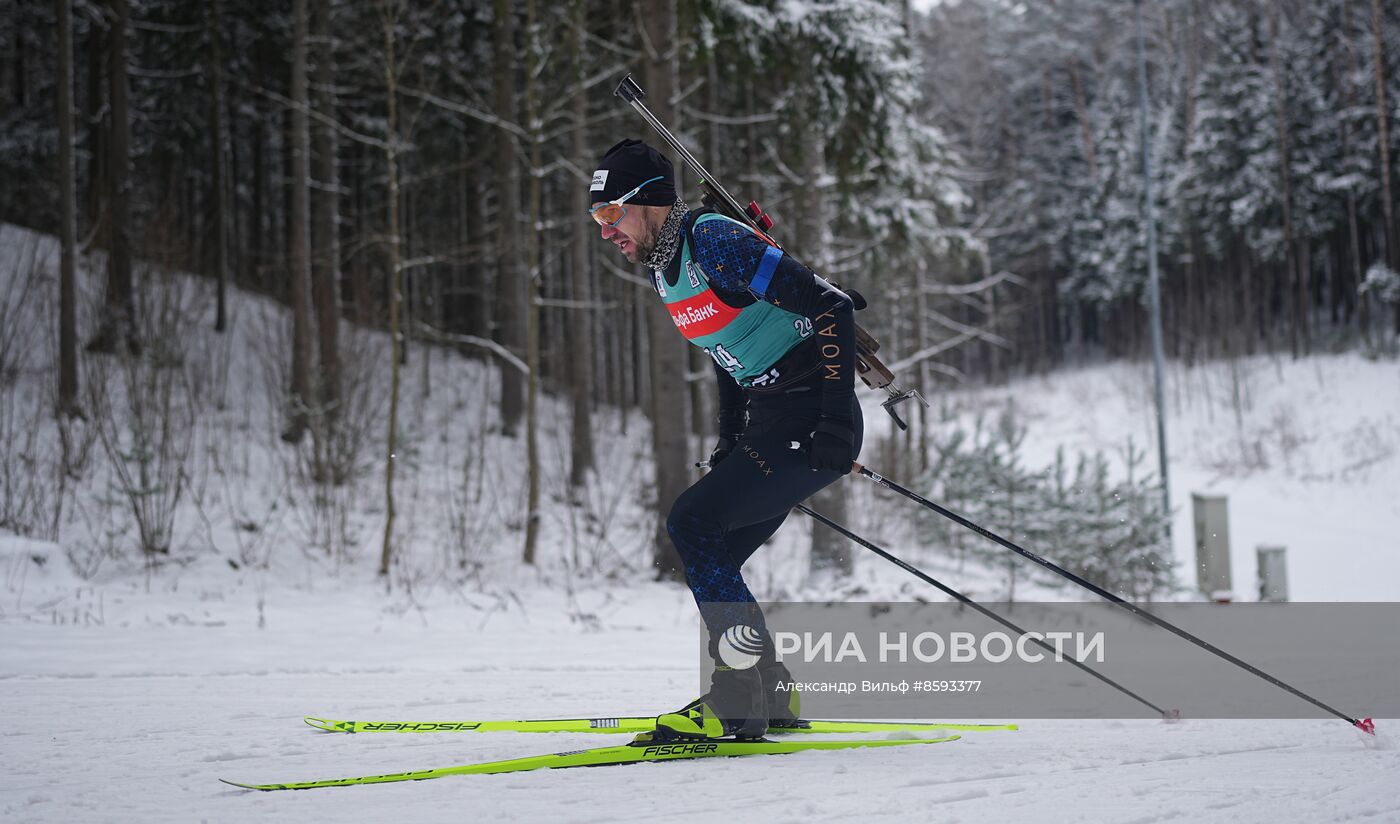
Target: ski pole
1363,724
1167,715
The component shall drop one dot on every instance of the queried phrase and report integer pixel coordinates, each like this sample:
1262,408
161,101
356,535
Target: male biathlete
783,345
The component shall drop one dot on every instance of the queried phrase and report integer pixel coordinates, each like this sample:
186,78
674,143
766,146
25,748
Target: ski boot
735,706
783,701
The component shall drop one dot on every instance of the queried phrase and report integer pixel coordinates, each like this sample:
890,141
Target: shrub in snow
1111,532
1382,282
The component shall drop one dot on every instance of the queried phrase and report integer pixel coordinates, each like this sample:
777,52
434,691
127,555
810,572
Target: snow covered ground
136,719
130,690
1307,453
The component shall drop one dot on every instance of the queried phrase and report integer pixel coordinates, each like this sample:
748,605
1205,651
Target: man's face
635,235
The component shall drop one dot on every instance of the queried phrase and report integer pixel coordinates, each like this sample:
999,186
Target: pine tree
1112,534
981,476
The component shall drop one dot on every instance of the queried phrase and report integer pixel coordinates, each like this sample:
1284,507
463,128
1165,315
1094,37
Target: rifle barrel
629,90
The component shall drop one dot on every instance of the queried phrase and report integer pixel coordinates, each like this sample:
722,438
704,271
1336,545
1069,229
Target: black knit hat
626,166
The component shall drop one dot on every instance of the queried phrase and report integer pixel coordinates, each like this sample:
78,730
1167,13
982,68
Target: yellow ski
635,752
629,724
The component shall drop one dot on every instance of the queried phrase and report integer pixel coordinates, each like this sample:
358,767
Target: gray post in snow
1154,293
1273,572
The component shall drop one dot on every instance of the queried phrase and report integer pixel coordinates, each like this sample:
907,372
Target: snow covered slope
137,722
1307,452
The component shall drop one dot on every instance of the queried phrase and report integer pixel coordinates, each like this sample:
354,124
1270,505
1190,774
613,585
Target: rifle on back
870,368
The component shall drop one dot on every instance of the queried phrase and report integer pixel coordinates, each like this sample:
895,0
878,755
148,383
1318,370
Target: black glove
833,447
857,299
723,447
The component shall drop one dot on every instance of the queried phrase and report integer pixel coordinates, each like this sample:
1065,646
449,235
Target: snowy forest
389,183
325,400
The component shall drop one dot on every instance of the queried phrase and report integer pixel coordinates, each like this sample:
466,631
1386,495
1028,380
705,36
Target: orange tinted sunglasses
612,212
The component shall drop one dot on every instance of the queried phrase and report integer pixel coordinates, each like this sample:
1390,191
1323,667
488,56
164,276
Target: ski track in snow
138,723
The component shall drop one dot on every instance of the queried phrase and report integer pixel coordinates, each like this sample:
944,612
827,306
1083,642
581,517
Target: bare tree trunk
299,235
94,103
1081,110
257,240
1294,277
632,356
389,18
410,277
118,326
360,293
921,340
670,409
1250,300
237,233
1303,293
1392,242
703,400
581,342
510,280
479,321
218,146
1383,126
325,272
67,287
1193,57
533,48
830,553
1353,230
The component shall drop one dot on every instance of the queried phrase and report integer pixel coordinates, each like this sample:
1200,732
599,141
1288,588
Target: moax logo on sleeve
694,276
600,180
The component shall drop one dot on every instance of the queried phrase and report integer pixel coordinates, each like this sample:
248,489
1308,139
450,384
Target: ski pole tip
1366,725
1171,716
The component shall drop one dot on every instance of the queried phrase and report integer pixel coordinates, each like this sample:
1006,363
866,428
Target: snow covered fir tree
340,381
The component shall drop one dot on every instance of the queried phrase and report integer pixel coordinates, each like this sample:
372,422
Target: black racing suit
724,517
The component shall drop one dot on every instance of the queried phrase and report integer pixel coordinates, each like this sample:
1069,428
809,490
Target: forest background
419,169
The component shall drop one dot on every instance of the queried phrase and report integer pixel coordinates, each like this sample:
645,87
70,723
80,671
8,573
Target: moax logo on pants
758,459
